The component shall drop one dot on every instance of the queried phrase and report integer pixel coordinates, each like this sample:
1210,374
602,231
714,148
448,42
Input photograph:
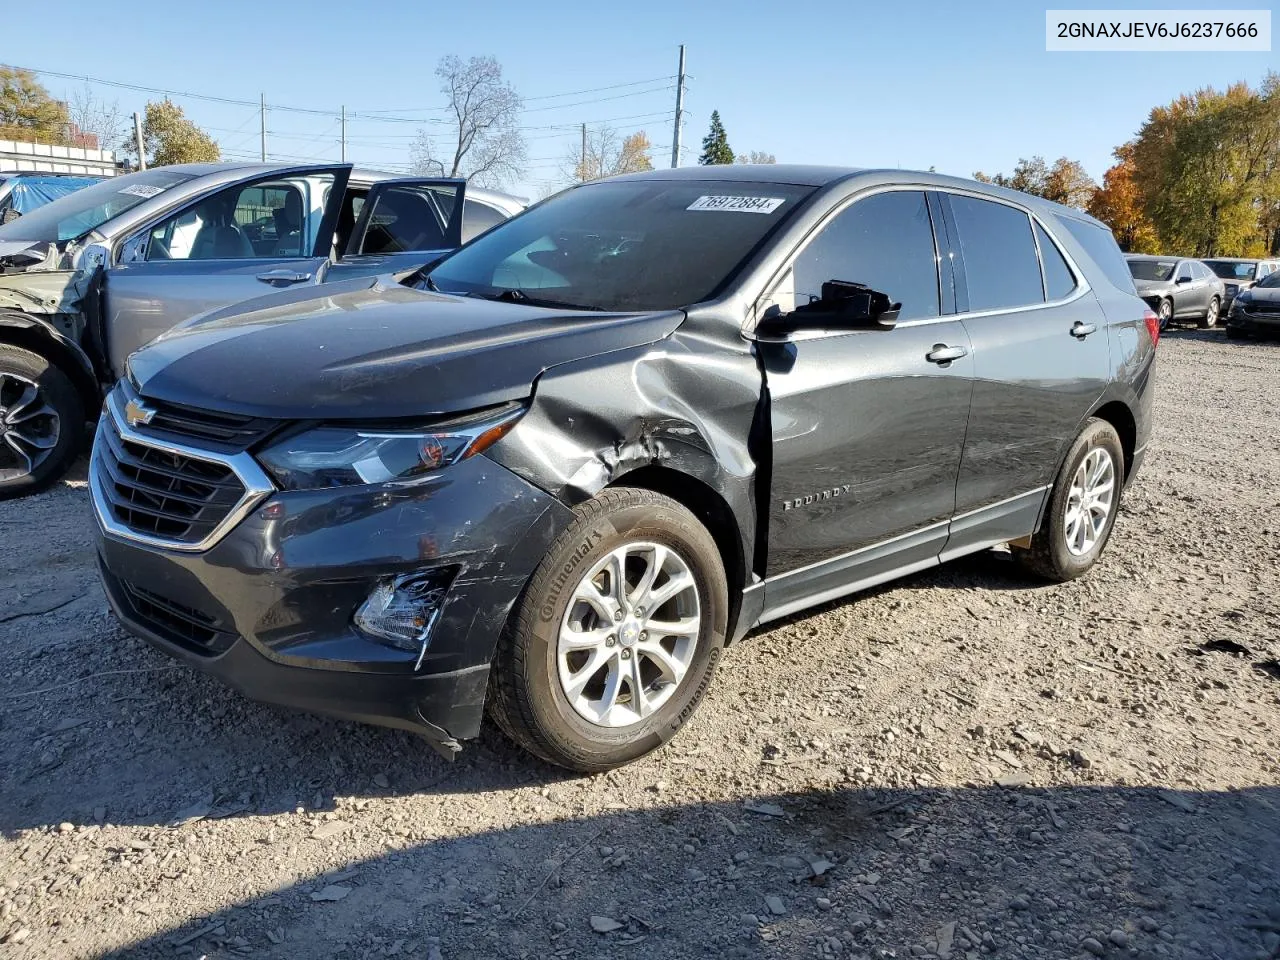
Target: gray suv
89,278
556,472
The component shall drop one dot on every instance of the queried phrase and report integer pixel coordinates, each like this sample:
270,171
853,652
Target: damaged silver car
91,277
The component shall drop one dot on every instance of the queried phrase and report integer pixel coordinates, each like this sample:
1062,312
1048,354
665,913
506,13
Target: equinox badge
829,494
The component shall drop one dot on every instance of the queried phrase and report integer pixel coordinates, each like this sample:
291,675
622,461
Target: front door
1041,361
232,244
403,224
1190,295
867,425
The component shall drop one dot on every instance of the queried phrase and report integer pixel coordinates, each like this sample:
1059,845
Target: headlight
337,456
1232,289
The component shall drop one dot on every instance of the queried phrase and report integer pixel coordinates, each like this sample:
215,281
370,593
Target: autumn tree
27,111
715,145
484,142
1117,203
608,155
169,137
1207,170
1065,182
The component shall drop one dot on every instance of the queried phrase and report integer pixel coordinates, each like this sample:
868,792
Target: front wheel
41,422
616,636
1082,507
1165,314
1211,315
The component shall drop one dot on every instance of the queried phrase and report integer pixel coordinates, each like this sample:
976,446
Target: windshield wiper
516,295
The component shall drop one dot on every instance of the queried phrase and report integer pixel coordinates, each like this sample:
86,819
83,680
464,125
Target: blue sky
958,86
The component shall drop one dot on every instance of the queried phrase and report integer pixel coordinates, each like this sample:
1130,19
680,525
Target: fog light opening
402,612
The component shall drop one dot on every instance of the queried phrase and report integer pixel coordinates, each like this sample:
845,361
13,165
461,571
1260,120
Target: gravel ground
964,764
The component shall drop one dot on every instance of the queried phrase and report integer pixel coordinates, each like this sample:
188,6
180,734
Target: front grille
175,421
177,620
157,493
179,624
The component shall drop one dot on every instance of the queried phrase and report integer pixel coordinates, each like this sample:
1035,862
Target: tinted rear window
1103,250
1058,280
1000,263
1232,269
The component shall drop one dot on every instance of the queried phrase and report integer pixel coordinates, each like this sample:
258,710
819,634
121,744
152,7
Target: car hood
1152,286
1261,295
374,349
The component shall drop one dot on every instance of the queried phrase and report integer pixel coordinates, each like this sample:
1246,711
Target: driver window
277,219
884,242
1184,271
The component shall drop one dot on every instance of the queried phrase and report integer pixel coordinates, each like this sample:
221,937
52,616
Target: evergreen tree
715,145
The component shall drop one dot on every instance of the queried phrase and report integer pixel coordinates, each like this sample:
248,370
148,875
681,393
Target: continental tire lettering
712,659
547,611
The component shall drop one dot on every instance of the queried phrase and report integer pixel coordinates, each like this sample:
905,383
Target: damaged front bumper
269,608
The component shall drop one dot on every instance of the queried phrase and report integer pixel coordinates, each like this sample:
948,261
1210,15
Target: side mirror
843,305
1183,280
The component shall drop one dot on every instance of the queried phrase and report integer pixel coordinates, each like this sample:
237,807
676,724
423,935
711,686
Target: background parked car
89,278
20,193
1178,288
1239,274
1256,310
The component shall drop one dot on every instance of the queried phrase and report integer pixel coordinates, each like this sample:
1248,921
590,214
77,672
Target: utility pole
137,137
263,118
583,167
344,133
675,136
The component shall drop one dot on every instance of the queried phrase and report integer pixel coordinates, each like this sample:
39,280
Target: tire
1050,555
1210,319
35,450
1165,313
532,675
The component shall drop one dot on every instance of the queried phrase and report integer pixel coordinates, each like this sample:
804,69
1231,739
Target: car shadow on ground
139,738
1216,334
849,871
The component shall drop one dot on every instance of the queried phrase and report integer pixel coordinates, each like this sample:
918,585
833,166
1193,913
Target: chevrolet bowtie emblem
137,415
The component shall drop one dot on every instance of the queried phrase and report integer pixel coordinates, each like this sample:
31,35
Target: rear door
1041,361
233,243
867,424
403,224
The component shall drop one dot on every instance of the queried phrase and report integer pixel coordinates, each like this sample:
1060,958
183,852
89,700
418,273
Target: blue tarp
30,192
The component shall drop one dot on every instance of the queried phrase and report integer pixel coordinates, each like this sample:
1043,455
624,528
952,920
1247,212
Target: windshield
628,245
1232,269
1151,269
85,210
1270,280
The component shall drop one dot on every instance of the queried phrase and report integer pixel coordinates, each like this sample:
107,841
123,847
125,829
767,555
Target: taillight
1153,326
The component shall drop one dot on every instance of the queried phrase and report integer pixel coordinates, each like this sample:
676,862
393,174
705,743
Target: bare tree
484,142
755,156
101,118
607,155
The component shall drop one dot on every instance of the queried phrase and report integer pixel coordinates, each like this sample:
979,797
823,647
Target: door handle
283,277
1081,330
942,355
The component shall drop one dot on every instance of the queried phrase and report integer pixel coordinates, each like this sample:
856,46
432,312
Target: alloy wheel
1089,501
628,636
1166,313
29,427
